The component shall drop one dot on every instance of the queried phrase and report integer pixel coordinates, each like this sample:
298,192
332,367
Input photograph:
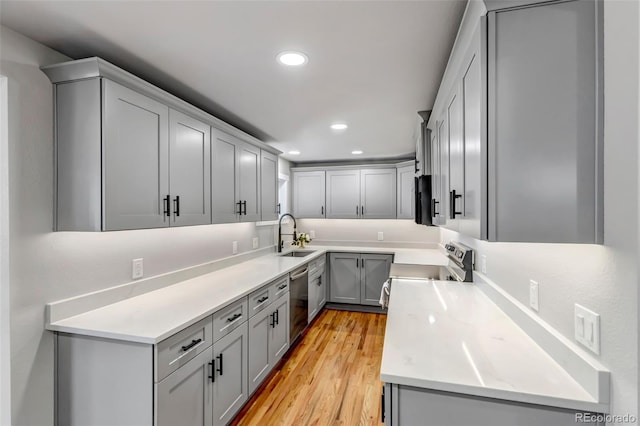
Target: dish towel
384,294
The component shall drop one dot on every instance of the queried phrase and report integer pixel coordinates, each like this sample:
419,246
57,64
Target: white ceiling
372,64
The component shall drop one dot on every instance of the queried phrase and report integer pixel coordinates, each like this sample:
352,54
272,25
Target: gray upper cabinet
405,192
190,168
343,194
436,176
545,123
230,389
375,271
378,193
309,194
345,277
443,144
269,186
455,191
235,176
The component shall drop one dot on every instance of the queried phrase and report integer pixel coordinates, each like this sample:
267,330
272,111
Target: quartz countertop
451,337
156,315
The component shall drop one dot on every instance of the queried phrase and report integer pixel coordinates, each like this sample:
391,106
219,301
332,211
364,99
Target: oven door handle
300,275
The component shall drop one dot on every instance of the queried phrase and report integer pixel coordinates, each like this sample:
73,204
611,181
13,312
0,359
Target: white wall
366,230
602,278
47,266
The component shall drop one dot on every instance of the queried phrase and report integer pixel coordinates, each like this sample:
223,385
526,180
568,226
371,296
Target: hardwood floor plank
332,377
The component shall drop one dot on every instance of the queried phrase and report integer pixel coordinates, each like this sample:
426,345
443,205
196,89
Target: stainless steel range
460,266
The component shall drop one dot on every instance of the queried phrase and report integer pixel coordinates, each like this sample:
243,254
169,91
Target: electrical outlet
380,236
483,263
256,242
587,328
312,234
533,295
234,247
137,270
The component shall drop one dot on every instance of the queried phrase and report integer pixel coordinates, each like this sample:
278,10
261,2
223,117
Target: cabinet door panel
224,173
343,194
375,271
230,386
249,182
185,396
436,186
443,143
313,297
309,194
456,161
345,277
322,291
406,192
269,186
190,168
259,361
378,193
279,337
136,159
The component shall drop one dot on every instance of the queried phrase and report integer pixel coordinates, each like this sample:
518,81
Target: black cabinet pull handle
272,322
357,211
239,203
212,376
244,204
192,344
233,318
362,264
434,204
165,200
176,206
357,262
278,208
320,280
382,411
322,210
362,211
283,286
452,204
277,316
219,369
263,299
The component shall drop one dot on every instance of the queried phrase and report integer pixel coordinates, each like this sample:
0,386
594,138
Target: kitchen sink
297,253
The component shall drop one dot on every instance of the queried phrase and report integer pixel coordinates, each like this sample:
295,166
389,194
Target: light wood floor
331,378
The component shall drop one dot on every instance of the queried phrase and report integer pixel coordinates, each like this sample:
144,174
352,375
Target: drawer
175,351
280,286
260,299
229,318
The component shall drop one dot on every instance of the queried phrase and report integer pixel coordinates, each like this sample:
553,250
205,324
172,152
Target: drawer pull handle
219,369
283,286
263,299
192,344
233,318
272,324
212,376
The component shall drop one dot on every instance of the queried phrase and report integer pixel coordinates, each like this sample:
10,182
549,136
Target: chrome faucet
280,234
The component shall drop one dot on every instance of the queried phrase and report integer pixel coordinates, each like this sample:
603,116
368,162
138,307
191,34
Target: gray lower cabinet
268,339
317,288
186,397
357,278
230,390
406,405
309,194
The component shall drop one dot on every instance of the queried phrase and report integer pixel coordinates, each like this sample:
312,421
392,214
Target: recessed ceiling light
294,152
339,126
292,59
356,152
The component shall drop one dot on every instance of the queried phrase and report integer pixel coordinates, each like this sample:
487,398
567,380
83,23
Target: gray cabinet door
185,397
309,194
230,387
249,182
406,192
135,155
378,193
472,118
343,194
544,123
259,360
314,295
456,160
322,291
279,332
436,187
190,168
268,186
375,271
443,144
224,171
345,277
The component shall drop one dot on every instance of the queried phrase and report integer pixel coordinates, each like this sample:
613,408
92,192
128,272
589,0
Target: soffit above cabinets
372,64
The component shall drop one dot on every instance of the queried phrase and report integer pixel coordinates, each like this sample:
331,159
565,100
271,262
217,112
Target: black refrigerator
424,211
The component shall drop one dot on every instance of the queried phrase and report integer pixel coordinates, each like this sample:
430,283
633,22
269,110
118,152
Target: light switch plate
256,242
533,295
312,234
137,268
587,328
380,236
234,247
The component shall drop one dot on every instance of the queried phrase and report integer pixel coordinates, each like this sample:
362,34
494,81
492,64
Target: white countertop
154,316
451,337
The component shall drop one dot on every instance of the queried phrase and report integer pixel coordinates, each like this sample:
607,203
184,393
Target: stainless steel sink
297,253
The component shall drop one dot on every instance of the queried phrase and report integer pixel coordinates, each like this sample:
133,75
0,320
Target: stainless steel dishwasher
299,301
